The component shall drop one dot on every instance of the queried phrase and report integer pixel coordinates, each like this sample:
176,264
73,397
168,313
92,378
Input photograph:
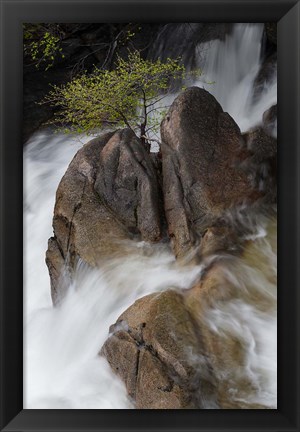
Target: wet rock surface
263,161
97,207
167,367
221,288
127,182
203,174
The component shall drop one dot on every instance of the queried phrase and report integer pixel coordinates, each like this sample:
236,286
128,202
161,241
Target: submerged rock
263,162
194,349
234,293
157,351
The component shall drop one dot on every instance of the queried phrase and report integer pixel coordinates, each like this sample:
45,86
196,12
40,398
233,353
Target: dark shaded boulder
266,74
263,162
182,39
157,351
271,32
203,171
109,193
270,121
260,144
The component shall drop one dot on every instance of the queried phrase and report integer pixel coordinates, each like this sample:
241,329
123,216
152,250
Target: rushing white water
62,368
231,66
228,71
250,317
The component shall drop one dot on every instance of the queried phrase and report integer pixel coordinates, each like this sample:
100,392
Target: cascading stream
62,368
232,66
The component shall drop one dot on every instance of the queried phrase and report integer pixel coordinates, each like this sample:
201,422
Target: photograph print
150,216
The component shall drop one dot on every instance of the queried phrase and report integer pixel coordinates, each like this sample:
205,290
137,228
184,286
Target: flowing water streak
61,365
231,65
62,369
249,318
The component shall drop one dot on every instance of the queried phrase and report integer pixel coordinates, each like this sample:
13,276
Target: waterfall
231,65
62,368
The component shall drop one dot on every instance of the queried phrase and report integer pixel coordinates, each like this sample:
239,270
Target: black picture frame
13,13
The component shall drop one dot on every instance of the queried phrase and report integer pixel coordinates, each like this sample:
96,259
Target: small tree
127,96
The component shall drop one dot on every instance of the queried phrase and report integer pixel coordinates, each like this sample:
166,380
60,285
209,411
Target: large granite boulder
156,349
203,171
127,182
109,193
